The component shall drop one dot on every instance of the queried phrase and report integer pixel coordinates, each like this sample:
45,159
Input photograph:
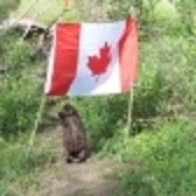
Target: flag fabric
92,58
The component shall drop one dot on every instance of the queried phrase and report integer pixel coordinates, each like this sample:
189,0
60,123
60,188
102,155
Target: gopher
74,135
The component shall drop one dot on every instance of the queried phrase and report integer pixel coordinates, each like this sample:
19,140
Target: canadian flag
92,58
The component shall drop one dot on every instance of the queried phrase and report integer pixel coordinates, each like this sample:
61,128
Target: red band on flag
128,54
65,57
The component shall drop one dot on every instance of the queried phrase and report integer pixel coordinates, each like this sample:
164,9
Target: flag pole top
132,12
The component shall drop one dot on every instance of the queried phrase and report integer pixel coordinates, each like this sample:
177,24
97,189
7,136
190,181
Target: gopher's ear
61,115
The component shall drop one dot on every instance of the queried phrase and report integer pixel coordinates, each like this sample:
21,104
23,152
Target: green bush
6,7
164,161
102,116
18,106
16,166
166,73
15,53
20,95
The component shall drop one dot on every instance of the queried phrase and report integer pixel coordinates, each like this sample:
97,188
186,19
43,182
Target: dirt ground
95,177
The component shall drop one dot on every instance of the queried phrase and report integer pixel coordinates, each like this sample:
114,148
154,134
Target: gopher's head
67,111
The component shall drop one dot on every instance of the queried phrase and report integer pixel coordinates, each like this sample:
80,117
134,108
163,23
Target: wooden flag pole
132,14
36,124
130,111
43,100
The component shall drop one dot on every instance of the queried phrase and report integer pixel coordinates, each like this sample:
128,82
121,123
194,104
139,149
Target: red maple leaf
98,64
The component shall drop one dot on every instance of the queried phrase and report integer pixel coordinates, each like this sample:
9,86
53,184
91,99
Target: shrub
164,161
102,116
20,95
18,106
6,6
16,167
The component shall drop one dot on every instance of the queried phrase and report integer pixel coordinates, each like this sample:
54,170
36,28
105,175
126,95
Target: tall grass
16,166
164,161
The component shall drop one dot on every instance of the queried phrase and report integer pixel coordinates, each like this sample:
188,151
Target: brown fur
74,135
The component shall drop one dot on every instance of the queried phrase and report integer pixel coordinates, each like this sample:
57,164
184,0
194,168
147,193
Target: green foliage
45,11
163,160
16,167
156,18
138,183
166,73
18,106
15,53
19,102
20,97
102,116
6,7
186,10
16,56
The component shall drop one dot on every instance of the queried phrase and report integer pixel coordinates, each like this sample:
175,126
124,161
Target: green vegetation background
162,141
